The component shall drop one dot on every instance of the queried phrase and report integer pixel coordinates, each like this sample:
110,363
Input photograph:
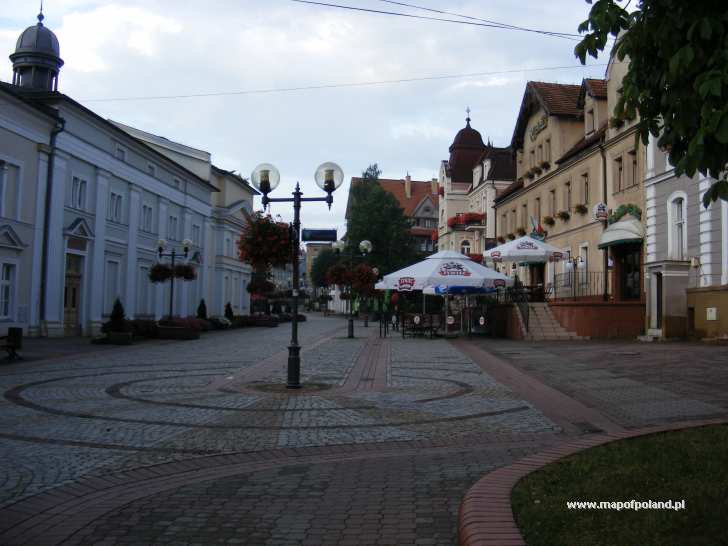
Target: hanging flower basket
186,272
581,209
564,215
501,239
160,273
545,165
549,220
521,232
511,236
265,242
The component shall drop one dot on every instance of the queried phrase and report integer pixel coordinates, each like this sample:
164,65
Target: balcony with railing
579,284
466,220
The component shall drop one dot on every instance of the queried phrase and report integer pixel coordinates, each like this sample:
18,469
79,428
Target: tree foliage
677,80
372,172
375,215
321,264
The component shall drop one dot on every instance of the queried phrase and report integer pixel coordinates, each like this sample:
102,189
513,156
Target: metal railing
578,283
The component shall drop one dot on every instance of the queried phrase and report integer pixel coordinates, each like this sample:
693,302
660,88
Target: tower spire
40,14
467,119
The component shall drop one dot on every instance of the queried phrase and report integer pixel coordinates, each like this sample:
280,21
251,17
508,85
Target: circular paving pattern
95,415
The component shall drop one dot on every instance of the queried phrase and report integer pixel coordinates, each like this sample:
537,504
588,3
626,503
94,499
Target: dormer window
151,169
590,121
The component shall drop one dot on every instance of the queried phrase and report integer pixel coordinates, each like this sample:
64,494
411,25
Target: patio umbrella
525,249
446,268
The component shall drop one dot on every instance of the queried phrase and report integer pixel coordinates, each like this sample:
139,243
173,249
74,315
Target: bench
13,342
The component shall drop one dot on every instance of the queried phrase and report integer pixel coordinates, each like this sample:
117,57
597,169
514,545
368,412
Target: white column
38,226
206,262
54,282
131,252
650,157
98,263
185,285
706,235
160,305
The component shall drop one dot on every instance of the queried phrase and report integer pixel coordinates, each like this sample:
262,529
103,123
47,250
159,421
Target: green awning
628,230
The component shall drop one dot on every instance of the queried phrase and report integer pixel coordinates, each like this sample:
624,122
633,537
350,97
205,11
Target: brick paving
198,443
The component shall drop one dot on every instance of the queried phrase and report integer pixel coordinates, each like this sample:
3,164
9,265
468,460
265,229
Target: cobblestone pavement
198,441
636,384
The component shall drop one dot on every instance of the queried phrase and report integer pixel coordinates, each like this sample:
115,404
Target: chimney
408,186
434,185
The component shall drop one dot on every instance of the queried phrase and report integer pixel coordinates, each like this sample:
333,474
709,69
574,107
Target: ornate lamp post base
294,367
350,328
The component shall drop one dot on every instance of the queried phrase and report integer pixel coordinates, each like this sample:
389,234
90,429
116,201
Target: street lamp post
365,247
574,263
265,178
161,246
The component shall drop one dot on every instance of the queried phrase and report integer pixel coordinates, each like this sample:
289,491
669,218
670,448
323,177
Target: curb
486,515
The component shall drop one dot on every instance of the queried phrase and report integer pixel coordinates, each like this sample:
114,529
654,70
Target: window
552,202
144,298
465,247
151,169
590,121
196,235
539,155
514,220
567,197
115,204
677,237
78,193
547,150
120,153
177,183
146,219
618,175
504,224
635,180
524,215
172,226
538,210
532,159
111,285
7,291
585,188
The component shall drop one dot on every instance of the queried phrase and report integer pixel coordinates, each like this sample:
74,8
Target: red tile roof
597,88
420,190
558,99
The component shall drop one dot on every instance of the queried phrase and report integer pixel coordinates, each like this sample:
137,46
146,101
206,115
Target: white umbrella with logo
525,249
446,268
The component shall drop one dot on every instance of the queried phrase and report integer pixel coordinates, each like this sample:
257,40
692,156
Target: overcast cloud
132,48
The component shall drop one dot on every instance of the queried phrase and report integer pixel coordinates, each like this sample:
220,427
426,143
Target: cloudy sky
151,48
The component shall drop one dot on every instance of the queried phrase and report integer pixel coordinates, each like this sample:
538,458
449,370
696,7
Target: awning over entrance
627,230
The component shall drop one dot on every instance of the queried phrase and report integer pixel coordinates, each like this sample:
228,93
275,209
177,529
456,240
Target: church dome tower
37,61
464,153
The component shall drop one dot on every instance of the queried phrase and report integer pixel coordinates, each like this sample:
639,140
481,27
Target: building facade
86,200
686,266
419,202
469,182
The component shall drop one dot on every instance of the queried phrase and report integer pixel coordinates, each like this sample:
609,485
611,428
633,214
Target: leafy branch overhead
677,78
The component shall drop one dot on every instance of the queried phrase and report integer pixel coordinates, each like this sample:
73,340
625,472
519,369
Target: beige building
312,252
469,182
574,168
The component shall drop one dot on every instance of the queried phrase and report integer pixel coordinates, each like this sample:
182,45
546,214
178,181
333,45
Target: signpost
323,235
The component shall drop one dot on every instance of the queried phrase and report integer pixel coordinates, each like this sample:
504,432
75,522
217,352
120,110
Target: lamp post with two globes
265,178
161,246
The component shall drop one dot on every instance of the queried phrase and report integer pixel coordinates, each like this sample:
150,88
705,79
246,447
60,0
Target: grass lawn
690,465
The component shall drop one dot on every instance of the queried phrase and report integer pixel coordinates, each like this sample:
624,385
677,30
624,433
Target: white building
83,202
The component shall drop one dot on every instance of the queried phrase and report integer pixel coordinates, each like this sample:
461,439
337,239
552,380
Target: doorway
628,259
658,300
72,295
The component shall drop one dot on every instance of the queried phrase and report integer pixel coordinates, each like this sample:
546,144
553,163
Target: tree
677,80
117,319
372,172
321,264
375,214
202,310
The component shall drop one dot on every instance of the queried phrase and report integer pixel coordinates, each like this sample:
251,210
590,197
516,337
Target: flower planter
564,215
545,165
119,338
521,232
501,240
178,332
549,220
581,209
510,236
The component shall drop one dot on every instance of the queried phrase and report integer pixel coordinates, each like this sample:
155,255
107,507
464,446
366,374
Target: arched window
465,247
677,235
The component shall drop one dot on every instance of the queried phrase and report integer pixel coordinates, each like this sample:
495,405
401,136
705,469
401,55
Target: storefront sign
538,127
526,245
450,320
601,212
